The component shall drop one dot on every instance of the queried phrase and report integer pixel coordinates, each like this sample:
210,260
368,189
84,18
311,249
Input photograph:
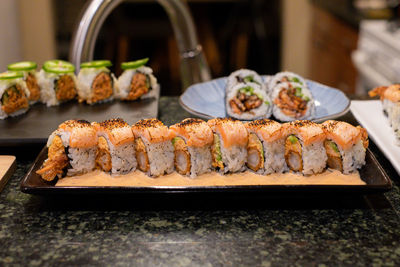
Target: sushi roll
192,144
137,81
95,82
266,147
292,101
14,94
57,82
304,147
71,150
229,148
154,149
116,147
390,98
243,76
345,145
28,69
247,101
285,77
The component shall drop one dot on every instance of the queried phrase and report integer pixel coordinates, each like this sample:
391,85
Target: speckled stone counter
331,231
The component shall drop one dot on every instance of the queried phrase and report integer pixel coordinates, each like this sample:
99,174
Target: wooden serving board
8,165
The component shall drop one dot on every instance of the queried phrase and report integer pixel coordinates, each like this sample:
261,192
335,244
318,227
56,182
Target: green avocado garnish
292,139
334,146
217,147
296,80
174,140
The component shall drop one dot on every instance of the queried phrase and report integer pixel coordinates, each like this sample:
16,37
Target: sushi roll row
285,95
56,83
390,98
193,147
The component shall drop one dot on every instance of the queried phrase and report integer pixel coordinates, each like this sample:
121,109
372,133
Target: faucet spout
194,67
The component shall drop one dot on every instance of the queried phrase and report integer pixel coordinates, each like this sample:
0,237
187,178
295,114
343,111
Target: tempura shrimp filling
103,156
293,153
255,153
182,156
334,158
141,155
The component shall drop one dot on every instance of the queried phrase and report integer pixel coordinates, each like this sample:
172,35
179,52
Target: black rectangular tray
35,126
372,173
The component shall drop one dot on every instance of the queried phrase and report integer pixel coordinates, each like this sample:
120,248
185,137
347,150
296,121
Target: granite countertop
331,231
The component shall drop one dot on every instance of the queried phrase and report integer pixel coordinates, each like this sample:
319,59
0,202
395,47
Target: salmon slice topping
308,131
344,134
117,130
232,132
153,130
82,133
269,130
391,92
196,132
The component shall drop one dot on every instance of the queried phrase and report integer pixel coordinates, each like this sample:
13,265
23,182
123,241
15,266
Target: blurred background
347,44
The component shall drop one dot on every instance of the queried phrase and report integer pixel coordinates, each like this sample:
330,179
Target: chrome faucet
194,67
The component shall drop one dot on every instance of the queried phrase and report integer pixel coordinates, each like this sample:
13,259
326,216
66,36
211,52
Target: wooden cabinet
332,41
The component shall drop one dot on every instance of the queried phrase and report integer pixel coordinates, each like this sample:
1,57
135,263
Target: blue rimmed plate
207,100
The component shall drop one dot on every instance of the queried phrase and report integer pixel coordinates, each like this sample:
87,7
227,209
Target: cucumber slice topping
96,64
8,75
58,66
22,66
134,64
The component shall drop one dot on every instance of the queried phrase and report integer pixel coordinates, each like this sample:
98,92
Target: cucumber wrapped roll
282,77
248,102
57,82
96,82
14,94
292,101
136,82
244,76
28,69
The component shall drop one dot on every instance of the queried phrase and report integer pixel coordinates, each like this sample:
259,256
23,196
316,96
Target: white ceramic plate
207,100
370,115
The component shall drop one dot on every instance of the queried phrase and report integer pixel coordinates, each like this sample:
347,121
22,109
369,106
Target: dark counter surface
341,230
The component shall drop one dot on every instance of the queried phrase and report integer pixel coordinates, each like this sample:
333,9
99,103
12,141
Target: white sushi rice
123,159
263,111
200,160
85,79
353,158
46,82
161,157
242,73
123,84
278,114
274,156
393,112
4,85
234,157
82,160
314,157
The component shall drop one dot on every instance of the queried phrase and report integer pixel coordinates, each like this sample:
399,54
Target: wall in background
37,30
10,36
296,32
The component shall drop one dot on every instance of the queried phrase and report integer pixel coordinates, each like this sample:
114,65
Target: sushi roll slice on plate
96,82
292,101
390,97
192,144
345,145
57,82
247,101
285,77
28,69
154,149
243,76
266,147
229,148
304,147
137,81
71,149
14,94
116,147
